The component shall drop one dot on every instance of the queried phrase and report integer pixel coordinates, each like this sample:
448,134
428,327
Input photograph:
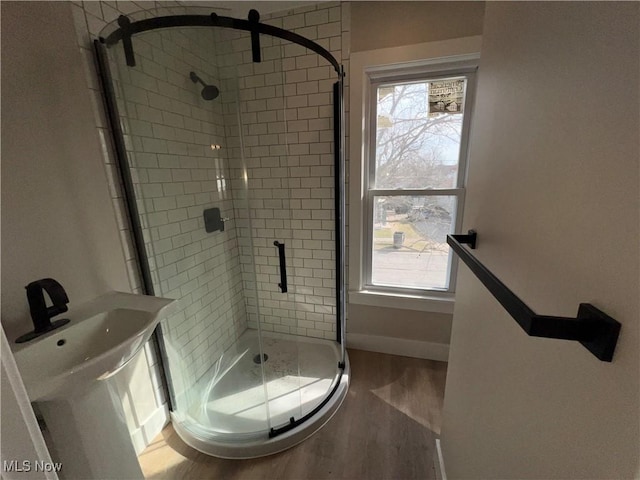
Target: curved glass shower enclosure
232,167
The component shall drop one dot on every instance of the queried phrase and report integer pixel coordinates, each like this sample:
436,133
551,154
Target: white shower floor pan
232,410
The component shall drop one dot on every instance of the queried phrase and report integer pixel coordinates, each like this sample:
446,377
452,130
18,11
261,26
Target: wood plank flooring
385,429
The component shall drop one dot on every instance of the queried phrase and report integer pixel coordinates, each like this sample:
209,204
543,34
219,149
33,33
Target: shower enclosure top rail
128,28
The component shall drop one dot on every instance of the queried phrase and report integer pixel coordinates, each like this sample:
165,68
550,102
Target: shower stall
229,139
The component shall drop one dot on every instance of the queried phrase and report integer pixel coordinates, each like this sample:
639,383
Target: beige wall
57,217
553,193
393,322
391,24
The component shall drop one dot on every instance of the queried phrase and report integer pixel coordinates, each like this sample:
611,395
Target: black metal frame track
339,194
597,331
128,28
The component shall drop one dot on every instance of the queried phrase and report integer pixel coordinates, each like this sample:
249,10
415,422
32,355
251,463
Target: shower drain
259,359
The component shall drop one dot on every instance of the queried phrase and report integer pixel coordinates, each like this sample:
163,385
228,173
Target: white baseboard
399,346
438,462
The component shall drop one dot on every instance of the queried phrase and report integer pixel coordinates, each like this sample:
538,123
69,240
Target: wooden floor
385,428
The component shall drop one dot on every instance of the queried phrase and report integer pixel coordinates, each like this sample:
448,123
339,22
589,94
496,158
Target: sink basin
101,338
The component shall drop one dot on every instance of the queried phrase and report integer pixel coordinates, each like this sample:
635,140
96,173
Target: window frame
373,76
395,74
372,64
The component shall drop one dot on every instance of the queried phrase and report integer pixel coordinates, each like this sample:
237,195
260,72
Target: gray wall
553,193
57,218
399,323
393,24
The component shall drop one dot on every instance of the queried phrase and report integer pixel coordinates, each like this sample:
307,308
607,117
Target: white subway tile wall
227,280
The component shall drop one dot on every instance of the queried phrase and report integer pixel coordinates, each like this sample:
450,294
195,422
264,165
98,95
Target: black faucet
40,313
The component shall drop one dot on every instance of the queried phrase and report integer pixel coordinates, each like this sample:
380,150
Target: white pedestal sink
67,370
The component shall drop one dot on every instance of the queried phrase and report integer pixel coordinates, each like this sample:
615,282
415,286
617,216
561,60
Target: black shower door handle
283,266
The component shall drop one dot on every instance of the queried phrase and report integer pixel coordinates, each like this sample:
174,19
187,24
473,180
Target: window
414,176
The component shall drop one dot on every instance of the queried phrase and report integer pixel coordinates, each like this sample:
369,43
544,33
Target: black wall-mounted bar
597,331
283,267
128,28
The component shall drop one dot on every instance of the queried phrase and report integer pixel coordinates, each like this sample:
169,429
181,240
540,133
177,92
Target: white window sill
436,304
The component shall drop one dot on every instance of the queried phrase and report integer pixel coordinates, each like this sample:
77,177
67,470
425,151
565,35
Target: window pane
418,133
410,240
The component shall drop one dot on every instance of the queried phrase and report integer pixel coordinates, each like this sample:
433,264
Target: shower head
209,92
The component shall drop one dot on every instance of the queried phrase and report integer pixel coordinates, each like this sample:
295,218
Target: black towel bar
597,331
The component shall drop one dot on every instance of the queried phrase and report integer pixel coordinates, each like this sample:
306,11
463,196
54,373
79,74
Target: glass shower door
268,221
297,126
308,123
